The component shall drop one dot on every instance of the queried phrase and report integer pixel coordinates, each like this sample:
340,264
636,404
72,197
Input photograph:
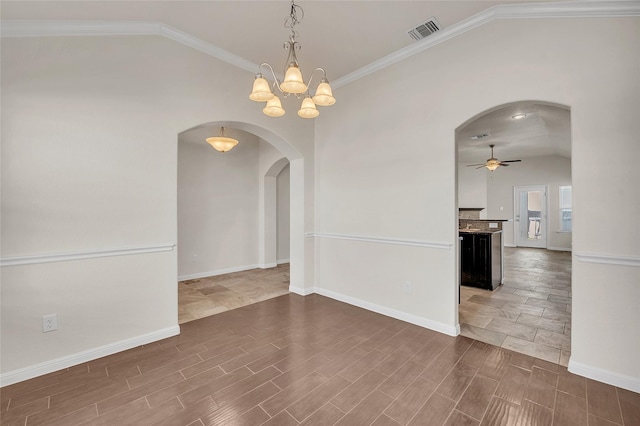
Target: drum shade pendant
222,143
293,83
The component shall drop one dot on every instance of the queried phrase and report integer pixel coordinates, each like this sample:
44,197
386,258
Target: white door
530,216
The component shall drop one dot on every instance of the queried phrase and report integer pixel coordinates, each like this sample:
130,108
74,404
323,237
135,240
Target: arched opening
228,211
270,214
514,251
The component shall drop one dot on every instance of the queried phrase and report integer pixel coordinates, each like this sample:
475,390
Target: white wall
553,171
397,195
89,143
217,204
283,205
89,163
472,189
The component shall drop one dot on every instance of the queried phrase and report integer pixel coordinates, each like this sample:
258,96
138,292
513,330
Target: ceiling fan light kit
293,83
493,163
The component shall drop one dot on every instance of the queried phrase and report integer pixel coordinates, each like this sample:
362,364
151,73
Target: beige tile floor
531,312
203,297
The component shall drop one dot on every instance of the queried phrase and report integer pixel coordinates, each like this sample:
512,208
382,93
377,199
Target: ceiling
339,36
545,130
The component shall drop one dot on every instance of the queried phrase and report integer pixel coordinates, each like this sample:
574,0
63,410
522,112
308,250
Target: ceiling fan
493,163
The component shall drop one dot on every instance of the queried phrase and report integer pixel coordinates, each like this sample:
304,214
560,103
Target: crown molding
587,9
576,9
27,28
43,28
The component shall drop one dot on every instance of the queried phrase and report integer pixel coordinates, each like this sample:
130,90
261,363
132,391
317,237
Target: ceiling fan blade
480,167
511,161
471,165
504,165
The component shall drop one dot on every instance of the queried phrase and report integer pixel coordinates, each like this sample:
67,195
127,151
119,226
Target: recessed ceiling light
476,137
519,116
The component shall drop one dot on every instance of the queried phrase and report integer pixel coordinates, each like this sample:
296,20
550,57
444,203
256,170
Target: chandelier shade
274,108
222,143
308,109
261,91
324,96
293,83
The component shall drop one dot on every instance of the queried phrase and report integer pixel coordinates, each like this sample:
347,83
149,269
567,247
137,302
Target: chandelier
293,84
222,143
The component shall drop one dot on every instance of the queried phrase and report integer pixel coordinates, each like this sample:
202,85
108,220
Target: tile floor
531,312
202,297
295,360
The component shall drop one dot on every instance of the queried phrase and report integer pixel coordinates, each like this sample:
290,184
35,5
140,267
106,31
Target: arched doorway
226,202
529,310
268,216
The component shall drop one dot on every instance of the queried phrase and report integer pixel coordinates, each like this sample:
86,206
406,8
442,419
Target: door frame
544,228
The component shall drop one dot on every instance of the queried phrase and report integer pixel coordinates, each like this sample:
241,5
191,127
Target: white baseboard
393,313
604,376
548,248
281,261
219,272
301,291
47,367
268,265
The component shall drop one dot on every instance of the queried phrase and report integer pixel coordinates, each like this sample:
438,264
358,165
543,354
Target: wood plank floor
315,361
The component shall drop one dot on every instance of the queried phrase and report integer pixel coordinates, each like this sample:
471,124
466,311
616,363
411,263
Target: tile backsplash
482,225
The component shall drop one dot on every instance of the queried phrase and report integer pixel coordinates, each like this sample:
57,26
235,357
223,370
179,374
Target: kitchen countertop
487,220
479,231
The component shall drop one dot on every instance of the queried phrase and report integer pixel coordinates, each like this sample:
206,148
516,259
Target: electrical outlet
407,287
195,257
49,323
493,225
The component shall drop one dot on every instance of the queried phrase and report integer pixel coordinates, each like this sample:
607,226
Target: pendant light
293,83
308,108
222,143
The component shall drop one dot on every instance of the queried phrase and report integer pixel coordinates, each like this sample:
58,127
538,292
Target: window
565,209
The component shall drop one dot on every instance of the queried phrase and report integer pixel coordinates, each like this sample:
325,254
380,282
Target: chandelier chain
292,20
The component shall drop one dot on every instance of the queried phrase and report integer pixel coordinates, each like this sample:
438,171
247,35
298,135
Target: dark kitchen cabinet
481,259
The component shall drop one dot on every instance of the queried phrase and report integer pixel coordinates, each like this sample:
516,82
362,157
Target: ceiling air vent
424,30
481,136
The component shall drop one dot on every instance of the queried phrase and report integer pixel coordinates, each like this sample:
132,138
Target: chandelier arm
324,76
276,81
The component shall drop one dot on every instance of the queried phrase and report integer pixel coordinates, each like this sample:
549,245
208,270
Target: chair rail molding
376,240
608,259
79,255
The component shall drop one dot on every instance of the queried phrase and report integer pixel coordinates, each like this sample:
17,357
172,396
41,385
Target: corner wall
386,174
89,167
